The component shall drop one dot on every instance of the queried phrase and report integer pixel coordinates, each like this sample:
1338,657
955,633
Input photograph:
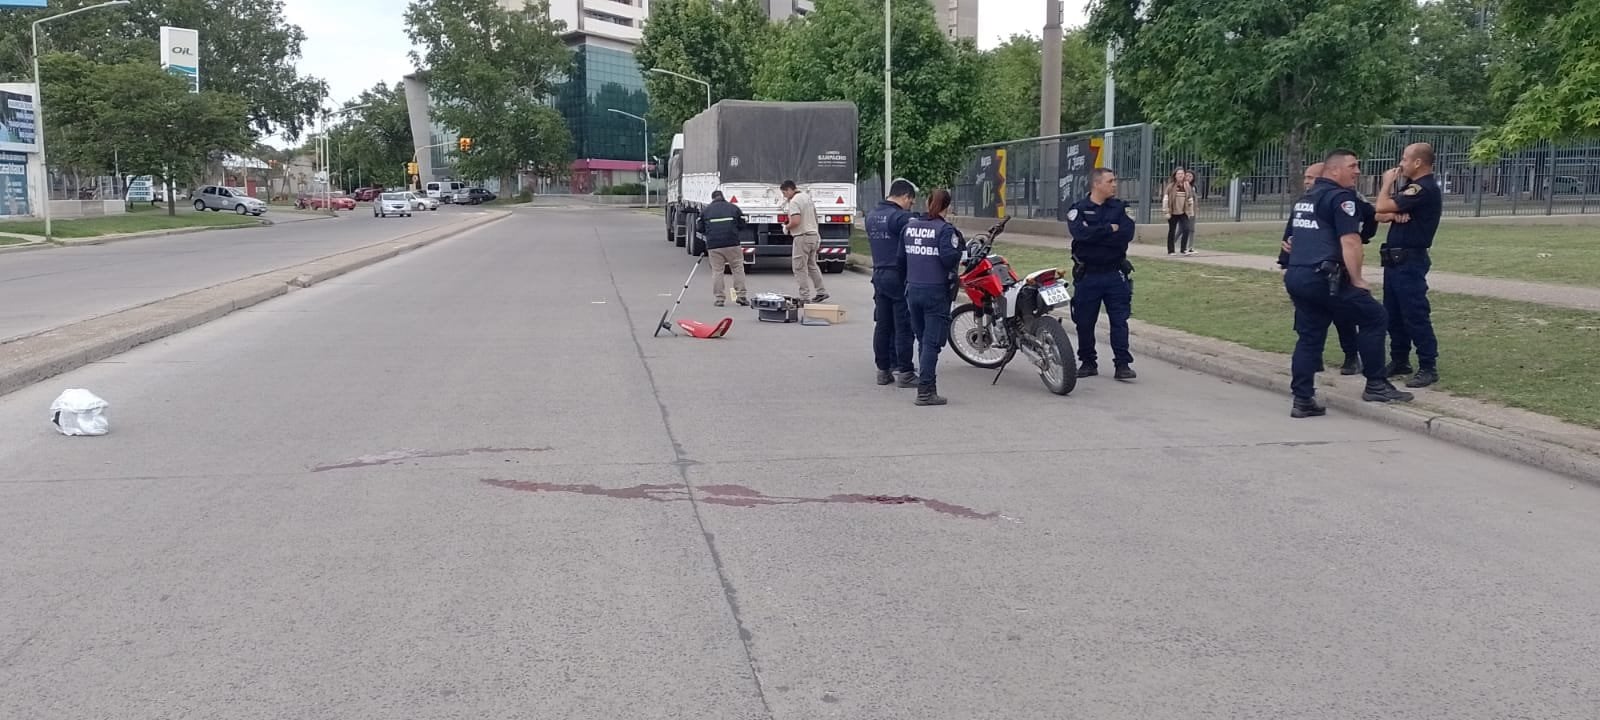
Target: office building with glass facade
610,147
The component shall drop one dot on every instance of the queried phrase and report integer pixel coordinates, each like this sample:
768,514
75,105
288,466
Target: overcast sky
355,44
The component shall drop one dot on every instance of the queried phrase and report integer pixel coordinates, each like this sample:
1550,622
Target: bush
622,189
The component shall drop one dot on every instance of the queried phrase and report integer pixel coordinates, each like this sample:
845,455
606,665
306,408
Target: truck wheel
697,244
684,229
672,225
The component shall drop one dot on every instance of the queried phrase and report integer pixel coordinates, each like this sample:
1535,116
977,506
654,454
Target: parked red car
316,201
368,194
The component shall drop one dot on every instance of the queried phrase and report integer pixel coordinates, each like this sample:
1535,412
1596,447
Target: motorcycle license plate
1054,295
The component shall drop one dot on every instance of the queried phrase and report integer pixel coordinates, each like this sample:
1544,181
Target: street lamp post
324,147
664,71
38,102
646,151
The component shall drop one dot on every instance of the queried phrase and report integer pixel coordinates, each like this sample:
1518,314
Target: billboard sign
180,54
18,131
13,184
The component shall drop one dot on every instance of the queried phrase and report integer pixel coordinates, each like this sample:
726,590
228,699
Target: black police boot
1125,372
1088,370
906,379
1307,407
1396,369
929,395
1352,365
1384,391
1423,378
885,377
1321,367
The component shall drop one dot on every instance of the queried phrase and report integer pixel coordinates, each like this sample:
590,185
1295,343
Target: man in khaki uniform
802,227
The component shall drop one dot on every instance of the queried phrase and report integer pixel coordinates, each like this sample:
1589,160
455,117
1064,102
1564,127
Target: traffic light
465,144
411,168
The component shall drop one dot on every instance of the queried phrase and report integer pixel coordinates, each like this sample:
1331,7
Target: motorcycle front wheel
1055,355
973,340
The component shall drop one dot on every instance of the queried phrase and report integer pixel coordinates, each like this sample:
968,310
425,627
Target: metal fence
1555,179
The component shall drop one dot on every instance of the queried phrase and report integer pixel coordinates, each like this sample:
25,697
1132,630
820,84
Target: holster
1078,270
1334,272
1392,256
1127,267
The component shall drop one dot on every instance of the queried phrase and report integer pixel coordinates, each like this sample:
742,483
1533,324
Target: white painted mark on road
597,302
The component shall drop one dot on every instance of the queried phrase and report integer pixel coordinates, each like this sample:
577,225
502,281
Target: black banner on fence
1077,161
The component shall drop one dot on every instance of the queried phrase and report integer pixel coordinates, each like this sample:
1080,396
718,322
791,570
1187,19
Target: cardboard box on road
834,314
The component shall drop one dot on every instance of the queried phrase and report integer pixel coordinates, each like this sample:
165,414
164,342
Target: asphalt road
469,483
44,289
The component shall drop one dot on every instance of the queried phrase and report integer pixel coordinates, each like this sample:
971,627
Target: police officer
1323,278
1101,229
1418,204
891,334
1369,229
720,223
930,250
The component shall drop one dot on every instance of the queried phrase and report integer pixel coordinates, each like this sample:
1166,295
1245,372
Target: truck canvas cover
769,142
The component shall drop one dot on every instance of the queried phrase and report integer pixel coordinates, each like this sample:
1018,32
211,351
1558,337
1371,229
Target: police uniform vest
932,250
1325,214
885,224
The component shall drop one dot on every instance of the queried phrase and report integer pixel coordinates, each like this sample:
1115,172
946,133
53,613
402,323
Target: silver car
217,198
388,204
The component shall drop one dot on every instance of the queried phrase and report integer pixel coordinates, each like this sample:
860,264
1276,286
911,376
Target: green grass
1539,253
11,240
128,223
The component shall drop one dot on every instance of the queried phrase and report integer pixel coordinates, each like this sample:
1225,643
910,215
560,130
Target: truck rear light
836,219
783,219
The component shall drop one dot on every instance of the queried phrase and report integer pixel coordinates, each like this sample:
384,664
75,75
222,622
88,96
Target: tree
246,49
721,43
490,72
1011,84
1450,63
1550,80
150,117
376,138
1232,76
836,53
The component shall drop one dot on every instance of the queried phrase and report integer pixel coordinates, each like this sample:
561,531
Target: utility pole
1049,192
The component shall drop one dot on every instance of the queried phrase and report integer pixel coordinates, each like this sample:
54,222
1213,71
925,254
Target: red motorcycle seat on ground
702,330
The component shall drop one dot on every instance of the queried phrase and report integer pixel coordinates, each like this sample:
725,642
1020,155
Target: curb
24,247
35,358
1195,352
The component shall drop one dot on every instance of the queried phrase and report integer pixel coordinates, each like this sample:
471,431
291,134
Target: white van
446,191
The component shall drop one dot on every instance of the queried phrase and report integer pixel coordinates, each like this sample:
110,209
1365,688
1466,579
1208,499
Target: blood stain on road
395,456
737,496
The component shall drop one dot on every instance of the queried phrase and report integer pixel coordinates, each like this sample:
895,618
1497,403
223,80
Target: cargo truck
747,149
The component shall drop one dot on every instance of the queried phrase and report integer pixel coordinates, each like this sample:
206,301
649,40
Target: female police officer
930,250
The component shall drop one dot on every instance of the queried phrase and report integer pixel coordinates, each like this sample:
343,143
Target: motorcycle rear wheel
971,340
1058,373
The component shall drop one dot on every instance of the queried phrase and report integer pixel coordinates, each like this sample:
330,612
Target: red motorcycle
1008,314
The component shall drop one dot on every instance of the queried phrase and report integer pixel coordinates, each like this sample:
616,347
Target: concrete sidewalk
1565,296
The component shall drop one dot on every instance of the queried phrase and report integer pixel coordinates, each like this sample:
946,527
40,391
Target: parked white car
391,204
422,202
